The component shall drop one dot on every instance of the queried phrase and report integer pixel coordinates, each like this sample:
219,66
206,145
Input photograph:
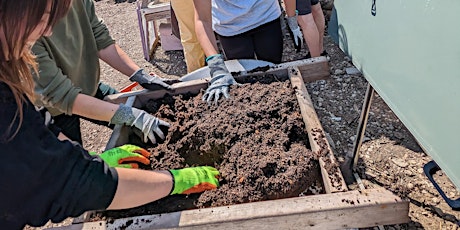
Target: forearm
203,27
290,7
93,108
138,187
206,37
114,56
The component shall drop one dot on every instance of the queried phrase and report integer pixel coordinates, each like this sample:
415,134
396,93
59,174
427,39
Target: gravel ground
389,157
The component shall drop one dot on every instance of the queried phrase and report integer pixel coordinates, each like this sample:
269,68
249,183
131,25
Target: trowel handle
430,169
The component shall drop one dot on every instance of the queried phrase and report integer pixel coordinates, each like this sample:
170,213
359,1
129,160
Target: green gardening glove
125,156
194,180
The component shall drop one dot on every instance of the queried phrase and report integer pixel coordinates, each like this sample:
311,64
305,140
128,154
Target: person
185,15
69,83
44,178
311,20
246,30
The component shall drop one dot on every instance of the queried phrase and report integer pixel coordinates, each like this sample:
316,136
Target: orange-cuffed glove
194,180
126,156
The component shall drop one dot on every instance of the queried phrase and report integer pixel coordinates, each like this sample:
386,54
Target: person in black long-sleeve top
43,178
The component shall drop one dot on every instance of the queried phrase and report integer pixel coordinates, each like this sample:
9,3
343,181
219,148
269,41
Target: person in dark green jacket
69,83
43,178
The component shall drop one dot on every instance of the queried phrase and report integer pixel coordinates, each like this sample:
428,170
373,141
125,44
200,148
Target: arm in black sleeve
43,178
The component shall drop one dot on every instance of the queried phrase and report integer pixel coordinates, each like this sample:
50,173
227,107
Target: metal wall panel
409,50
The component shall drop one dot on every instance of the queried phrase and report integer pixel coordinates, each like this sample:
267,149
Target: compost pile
256,139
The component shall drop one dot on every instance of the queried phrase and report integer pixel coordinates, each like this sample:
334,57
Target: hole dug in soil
257,140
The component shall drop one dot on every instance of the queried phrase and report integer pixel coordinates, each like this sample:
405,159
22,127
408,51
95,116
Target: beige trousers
185,14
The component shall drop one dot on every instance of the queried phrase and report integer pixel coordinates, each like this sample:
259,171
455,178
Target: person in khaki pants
185,14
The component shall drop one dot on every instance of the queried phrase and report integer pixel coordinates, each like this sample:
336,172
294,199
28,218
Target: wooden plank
353,209
157,16
311,70
155,8
332,176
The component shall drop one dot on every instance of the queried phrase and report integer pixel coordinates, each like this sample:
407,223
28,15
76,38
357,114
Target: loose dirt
256,139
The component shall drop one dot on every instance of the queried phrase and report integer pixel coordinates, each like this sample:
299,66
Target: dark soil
257,140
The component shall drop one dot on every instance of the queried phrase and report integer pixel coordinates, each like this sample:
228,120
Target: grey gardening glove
150,82
296,33
221,79
148,124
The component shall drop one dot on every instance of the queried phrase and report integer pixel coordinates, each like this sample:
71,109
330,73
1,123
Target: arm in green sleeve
100,30
54,89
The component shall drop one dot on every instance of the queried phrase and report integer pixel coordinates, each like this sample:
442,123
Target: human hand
296,33
148,124
194,180
221,79
149,81
125,156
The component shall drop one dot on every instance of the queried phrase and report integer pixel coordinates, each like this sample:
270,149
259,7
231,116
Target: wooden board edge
333,182
316,70
352,209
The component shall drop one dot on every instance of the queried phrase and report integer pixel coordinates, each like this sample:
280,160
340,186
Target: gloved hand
125,156
221,79
194,180
296,33
150,82
148,124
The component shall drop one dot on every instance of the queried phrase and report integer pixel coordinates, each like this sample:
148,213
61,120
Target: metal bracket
362,125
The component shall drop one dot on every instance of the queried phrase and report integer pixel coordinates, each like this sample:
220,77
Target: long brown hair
18,19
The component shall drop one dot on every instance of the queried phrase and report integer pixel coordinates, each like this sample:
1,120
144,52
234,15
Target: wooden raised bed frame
338,208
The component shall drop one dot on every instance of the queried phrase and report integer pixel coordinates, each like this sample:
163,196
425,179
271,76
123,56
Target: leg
237,47
268,41
308,26
318,16
185,14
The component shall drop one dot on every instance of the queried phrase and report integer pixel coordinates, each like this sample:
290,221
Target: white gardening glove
296,33
150,82
148,124
221,79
